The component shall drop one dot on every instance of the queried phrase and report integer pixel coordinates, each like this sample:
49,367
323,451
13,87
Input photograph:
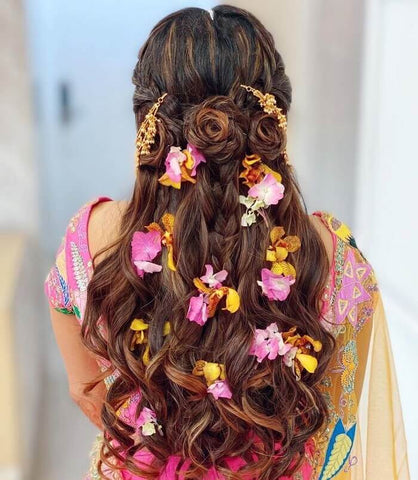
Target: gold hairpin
268,102
147,130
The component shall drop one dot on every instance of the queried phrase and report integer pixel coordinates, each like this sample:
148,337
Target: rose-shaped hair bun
217,128
265,137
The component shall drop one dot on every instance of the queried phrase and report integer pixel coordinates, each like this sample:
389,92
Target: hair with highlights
201,63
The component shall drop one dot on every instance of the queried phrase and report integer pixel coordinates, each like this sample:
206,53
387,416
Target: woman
221,330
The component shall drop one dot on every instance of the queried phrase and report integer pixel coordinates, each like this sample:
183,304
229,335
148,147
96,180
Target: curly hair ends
201,63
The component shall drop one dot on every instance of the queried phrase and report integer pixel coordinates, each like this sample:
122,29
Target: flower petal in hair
275,287
268,343
146,424
265,188
213,280
145,247
278,250
140,328
180,166
211,292
269,191
215,377
295,349
299,356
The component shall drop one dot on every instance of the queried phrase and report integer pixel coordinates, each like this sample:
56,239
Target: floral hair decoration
265,188
140,328
180,166
212,291
147,245
146,424
276,281
295,349
215,377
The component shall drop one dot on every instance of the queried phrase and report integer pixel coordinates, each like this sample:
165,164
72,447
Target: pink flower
147,415
197,157
268,343
198,309
173,161
275,287
220,389
213,280
145,247
269,190
290,356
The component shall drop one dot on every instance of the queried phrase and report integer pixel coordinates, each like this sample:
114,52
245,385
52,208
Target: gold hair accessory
268,102
147,130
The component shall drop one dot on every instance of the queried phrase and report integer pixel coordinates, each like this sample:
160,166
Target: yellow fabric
364,438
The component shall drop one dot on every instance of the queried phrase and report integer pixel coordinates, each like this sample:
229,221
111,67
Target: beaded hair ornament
265,189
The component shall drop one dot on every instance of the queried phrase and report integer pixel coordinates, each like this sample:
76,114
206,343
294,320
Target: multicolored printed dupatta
364,438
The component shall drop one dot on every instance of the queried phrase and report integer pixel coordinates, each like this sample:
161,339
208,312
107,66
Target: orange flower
255,170
279,249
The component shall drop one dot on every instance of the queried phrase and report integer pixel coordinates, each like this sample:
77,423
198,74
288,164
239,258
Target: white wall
387,222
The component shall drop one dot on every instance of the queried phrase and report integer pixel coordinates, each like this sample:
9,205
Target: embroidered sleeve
56,283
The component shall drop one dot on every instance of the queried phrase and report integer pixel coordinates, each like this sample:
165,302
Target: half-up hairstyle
201,64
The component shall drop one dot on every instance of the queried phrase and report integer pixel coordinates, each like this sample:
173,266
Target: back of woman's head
201,64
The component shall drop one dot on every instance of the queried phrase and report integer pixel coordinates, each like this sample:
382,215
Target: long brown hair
201,63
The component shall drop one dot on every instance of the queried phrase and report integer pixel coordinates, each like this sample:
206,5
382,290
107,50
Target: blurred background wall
65,75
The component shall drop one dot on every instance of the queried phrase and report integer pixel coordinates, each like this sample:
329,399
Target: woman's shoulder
355,288
104,225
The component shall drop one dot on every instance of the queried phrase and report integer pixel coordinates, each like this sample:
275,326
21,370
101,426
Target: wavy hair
201,63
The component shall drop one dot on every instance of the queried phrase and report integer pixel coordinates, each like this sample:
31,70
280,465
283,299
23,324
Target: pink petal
275,287
146,415
197,311
289,356
143,266
198,157
269,190
220,389
173,161
213,280
146,245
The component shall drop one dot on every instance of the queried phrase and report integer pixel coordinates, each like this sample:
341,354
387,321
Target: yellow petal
154,226
189,162
308,362
281,253
275,174
145,356
317,345
283,268
201,286
138,325
271,255
170,259
167,182
293,243
212,372
232,301
168,221
276,234
185,175
166,329
251,159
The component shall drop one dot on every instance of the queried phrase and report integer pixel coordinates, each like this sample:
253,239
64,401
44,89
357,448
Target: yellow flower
139,326
302,347
215,295
280,247
211,371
